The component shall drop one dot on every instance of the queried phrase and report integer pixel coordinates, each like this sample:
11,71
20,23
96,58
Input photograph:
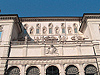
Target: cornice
36,19
88,16
11,17
51,57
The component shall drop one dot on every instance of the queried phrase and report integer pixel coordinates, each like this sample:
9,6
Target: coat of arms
51,50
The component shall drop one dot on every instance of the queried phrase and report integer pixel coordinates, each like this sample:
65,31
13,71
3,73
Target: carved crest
51,50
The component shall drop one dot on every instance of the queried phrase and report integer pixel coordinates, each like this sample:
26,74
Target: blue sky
35,8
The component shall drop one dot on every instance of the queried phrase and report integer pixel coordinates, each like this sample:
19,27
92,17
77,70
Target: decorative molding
50,19
53,61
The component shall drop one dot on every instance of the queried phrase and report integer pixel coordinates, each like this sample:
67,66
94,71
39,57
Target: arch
33,70
90,70
14,70
72,70
52,70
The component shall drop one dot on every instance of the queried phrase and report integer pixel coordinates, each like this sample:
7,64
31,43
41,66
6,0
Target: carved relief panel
51,50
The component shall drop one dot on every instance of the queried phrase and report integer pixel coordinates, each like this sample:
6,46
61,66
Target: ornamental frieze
57,61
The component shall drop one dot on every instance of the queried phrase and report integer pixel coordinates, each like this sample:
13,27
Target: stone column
23,72
81,69
62,70
42,70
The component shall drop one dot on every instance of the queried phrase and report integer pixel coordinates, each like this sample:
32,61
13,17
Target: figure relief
31,30
56,29
50,25
44,30
62,25
51,50
75,25
26,26
69,30
38,25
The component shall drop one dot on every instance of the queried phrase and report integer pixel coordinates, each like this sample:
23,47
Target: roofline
85,15
9,15
91,14
53,17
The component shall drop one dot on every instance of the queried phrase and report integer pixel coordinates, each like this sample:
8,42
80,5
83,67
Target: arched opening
90,70
52,70
72,70
13,71
33,71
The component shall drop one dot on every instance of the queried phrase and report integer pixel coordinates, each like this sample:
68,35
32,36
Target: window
37,31
99,27
75,30
63,30
72,70
52,70
0,34
99,30
1,31
13,71
33,71
90,70
75,27
50,30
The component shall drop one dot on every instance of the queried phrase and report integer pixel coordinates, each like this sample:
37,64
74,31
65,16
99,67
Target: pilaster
42,72
23,72
81,69
62,70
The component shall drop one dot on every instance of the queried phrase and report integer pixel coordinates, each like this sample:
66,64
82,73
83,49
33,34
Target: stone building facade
50,45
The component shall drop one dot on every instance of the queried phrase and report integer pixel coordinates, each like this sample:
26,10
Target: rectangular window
75,30
63,30
37,31
50,30
0,34
99,30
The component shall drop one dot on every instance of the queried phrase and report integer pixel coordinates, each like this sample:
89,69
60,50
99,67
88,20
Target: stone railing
49,42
